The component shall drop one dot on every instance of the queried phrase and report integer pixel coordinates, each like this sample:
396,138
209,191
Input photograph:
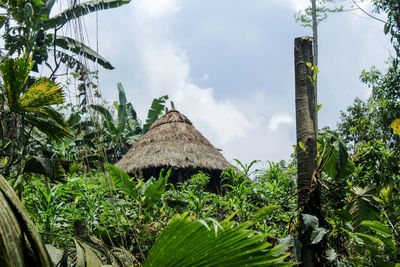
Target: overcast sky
228,66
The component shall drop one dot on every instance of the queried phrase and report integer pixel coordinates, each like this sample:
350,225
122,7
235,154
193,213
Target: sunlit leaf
15,72
396,126
362,205
42,93
187,242
378,227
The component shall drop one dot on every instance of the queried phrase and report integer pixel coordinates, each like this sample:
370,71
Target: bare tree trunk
309,201
315,58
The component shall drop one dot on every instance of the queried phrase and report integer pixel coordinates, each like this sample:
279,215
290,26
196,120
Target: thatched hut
173,142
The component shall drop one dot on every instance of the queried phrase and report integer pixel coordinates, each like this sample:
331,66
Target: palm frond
15,72
50,114
20,243
42,93
47,126
187,242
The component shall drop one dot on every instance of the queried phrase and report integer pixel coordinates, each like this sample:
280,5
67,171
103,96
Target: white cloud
278,119
298,5
157,8
165,69
204,77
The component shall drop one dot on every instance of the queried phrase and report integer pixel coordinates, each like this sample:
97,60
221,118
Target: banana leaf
80,10
79,48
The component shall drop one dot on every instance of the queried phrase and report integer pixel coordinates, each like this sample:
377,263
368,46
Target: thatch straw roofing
172,141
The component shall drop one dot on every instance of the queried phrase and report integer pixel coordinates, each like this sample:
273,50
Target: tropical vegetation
63,202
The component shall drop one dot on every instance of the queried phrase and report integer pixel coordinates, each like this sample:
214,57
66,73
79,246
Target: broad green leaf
155,191
157,106
369,239
338,164
264,213
79,48
103,111
48,5
318,234
378,227
80,10
55,254
49,113
122,108
362,205
122,180
310,221
80,258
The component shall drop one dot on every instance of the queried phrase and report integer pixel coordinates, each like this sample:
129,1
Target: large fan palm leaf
189,242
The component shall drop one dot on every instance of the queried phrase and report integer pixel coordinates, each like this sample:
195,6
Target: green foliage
366,126
157,107
189,242
312,225
304,17
392,27
155,191
122,180
81,10
79,48
362,205
333,155
35,101
27,27
20,243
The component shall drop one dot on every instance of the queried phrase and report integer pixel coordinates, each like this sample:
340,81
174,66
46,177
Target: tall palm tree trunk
309,201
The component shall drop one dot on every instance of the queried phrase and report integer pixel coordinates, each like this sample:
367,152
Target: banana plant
125,129
38,31
117,131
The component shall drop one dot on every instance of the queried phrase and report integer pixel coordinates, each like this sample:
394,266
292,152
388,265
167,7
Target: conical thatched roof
173,141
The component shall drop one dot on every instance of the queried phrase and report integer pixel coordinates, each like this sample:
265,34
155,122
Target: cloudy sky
228,66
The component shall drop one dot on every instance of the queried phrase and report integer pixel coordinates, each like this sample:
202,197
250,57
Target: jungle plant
28,28
20,243
360,230
26,104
